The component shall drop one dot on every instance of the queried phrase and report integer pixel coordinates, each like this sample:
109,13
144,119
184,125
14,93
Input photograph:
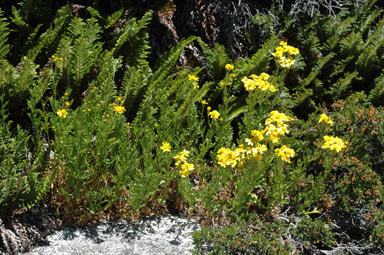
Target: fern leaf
4,32
17,19
317,69
216,58
130,30
113,18
340,88
377,93
52,33
168,62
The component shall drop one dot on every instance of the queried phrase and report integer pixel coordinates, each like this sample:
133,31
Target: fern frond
25,76
4,32
216,58
130,30
317,69
135,81
17,19
113,18
52,33
377,93
259,62
168,62
342,85
82,60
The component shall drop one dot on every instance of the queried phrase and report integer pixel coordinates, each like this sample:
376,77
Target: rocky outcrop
24,229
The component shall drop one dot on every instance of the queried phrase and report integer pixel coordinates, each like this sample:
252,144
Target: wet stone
165,235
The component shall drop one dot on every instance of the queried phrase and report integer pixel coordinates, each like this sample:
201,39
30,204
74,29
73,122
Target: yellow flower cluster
214,114
276,126
285,153
194,80
258,81
62,113
227,157
324,118
165,147
55,59
182,164
229,67
284,54
119,109
334,143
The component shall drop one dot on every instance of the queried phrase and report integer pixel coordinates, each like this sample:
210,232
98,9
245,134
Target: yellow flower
283,43
292,50
229,67
257,135
258,81
208,108
67,103
257,151
165,147
119,99
119,109
223,84
334,143
156,125
227,157
193,78
204,101
184,153
66,94
62,113
214,114
186,168
284,54
324,118
285,153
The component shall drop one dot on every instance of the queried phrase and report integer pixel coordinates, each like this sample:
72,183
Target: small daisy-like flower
67,103
324,118
204,101
62,113
165,147
285,153
193,78
186,168
119,109
214,114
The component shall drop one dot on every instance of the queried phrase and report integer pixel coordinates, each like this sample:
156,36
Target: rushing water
166,235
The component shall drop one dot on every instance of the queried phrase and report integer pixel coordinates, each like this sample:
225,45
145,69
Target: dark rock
24,229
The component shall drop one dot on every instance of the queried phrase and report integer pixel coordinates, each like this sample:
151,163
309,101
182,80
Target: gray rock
165,235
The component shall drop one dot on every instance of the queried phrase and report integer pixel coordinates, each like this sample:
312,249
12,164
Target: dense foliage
277,153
